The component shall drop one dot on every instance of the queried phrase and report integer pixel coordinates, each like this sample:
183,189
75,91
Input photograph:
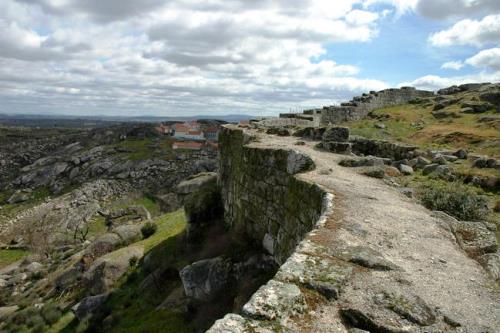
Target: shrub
51,313
148,229
35,320
133,261
455,199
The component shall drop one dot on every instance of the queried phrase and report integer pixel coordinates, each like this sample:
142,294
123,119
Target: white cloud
455,65
489,59
98,10
434,82
442,9
469,32
182,57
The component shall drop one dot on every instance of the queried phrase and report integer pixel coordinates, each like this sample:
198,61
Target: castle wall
261,196
360,106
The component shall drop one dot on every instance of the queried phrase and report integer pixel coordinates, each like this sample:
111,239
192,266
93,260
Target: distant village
191,135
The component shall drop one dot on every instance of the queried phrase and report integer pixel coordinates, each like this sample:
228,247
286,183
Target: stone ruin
356,109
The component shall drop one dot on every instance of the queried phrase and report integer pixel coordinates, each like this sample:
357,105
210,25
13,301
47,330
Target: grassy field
7,257
415,124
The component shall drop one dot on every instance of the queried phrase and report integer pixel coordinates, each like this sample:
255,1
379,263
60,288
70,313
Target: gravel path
370,213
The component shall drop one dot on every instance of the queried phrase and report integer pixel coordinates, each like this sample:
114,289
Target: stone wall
360,106
357,108
261,196
289,121
381,148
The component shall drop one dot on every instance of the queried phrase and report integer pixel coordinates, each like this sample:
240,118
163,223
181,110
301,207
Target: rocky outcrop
63,214
106,270
89,306
200,195
205,279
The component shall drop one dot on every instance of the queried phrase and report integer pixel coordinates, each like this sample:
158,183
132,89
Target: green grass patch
139,149
415,124
97,226
62,323
7,257
169,225
149,203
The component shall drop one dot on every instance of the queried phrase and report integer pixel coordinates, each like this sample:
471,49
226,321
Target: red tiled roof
192,132
211,130
181,128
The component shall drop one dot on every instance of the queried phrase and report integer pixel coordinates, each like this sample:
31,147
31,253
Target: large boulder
275,300
168,202
476,238
364,161
337,134
491,94
321,274
205,279
202,202
89,306
337,147
6,311
313,133
195,183
18,197
68,278
129,233
476,107
105,271
128,214
103,244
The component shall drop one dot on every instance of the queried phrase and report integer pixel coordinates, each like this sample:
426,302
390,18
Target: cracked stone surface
324,275
275,300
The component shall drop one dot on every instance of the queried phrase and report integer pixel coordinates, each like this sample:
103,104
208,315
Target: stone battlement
360,106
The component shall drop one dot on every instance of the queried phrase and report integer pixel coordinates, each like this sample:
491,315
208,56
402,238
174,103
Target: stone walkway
408,270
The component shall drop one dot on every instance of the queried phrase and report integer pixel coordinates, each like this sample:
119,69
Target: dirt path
369,213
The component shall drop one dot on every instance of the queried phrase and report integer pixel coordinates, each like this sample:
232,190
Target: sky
212,57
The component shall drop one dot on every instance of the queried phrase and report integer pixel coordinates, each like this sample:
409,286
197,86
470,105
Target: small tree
148,229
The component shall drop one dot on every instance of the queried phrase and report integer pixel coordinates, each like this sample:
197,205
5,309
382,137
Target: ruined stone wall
360,106
261,196
286,121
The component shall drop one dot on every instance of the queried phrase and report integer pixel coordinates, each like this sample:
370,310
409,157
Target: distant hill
101,121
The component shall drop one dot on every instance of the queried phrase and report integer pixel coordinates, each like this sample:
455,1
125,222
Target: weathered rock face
205,279
275,300
313,133
105,271
89,305
202,202
261,196
389,311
